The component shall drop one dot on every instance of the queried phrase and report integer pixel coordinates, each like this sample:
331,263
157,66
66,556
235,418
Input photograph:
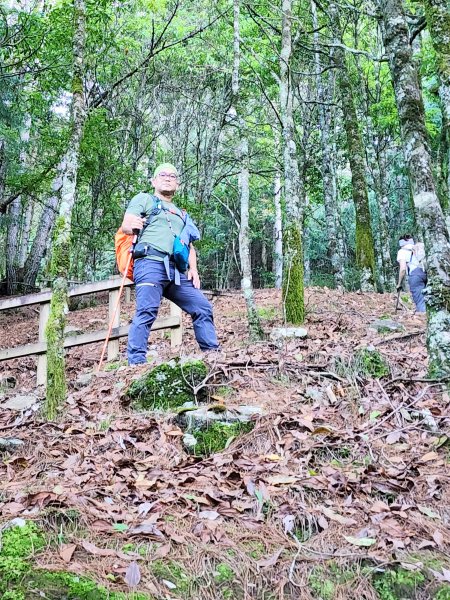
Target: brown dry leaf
162,551
429,456
96,551
132,575
289,522
281,480
393,437
146,528
336,517
210,515
66,551
272,457
379,507
263,563
331,395
438,538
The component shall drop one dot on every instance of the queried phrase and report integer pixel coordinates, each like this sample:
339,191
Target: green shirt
158,234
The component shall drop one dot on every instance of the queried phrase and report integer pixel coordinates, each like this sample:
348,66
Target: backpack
123,242
417,257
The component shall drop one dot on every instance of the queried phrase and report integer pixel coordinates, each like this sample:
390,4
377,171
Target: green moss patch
394,584
217,436
370,363
20,581
167,386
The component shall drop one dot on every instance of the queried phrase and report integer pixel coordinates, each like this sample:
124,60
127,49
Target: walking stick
117,303
398,301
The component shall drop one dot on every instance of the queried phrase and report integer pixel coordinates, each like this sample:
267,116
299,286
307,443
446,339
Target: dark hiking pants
417,281
152,283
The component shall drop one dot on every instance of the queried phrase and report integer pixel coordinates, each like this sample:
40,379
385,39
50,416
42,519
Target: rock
288,332
20,402
249,411
70,330
7,381
10,444
201,416
189,440
83,380
314,393
386,326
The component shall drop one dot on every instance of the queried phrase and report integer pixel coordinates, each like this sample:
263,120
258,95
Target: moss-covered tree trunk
437,13
56,381
365,255
293,285
429,215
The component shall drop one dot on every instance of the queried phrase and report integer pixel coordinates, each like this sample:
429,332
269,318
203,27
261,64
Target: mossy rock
167,386
216,436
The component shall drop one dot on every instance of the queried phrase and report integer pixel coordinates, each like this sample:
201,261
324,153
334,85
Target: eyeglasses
172,176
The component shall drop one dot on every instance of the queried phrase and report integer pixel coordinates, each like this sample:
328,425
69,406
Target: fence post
41,375
113,345
176,335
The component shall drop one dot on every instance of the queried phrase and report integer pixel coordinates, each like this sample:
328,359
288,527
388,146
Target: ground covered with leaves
340,490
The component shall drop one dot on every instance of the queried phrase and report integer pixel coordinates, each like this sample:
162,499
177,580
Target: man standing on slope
155,272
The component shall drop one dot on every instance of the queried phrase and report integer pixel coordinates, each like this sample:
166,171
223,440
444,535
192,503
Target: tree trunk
278,233
438,20
254,324
60,264
293,285
15,239
428,210
46,224
12,248
365,257
328,174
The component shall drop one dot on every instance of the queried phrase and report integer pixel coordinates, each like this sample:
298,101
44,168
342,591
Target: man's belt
145,250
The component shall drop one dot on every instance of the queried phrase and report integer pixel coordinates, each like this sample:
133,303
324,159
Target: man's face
166,182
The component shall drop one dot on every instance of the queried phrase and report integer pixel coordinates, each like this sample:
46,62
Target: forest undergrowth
340,491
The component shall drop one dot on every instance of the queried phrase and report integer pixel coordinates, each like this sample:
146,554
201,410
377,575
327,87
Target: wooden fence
173,322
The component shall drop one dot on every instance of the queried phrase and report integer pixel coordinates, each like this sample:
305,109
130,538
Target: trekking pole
122,283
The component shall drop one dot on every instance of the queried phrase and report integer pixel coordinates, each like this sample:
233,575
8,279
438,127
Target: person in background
411,260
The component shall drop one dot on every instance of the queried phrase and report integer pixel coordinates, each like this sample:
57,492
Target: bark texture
429,215
293,284
56,381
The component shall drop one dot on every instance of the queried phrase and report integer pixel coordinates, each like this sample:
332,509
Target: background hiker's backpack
123,242
419,255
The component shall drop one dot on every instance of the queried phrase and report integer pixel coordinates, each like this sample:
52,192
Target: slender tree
328,173
254,324
60,264
293,285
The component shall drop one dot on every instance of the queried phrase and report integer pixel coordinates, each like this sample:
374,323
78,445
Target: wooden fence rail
112,285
